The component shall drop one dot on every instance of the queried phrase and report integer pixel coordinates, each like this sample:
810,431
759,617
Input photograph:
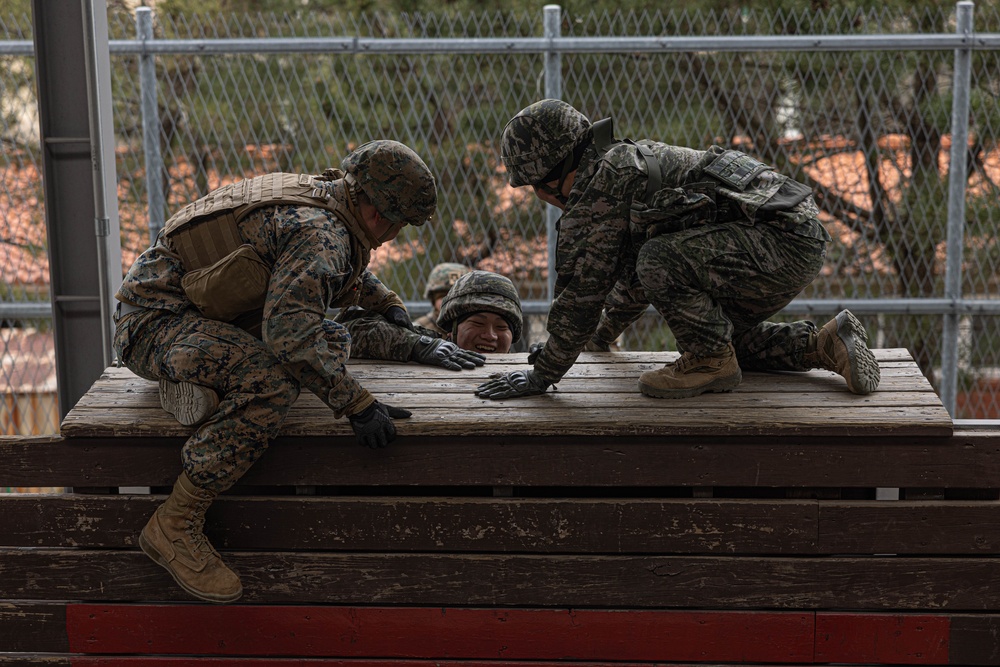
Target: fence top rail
495,45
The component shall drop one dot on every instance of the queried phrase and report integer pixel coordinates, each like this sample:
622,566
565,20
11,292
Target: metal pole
98,67
553,90
150,124
956,204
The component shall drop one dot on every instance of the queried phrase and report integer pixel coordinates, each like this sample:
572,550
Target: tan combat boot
190,404
841,346
692,375
174,539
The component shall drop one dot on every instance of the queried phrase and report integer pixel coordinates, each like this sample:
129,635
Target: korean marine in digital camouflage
480,315
715,240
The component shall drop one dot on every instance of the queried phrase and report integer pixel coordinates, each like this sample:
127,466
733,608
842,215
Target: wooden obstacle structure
586,526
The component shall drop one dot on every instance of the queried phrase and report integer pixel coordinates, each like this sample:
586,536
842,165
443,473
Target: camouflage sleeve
592,245
625,304
373,337
375,295
312,268
154,280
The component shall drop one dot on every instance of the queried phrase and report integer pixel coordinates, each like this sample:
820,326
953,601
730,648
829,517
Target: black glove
397,315
533,351
438,352
512,384
373,426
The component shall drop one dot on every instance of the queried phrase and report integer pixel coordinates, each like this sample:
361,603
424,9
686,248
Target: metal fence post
553,90
150,124
956,203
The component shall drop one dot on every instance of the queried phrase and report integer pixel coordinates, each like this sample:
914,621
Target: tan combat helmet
479,291
539,138
396,180
442,277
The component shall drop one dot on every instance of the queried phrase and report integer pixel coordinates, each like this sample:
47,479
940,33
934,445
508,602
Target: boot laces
196,531
689,361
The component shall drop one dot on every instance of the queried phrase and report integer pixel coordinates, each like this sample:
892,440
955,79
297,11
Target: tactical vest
604,140
738,188
224,277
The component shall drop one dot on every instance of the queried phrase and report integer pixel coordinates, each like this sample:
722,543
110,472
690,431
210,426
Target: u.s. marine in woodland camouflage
716,241
227,310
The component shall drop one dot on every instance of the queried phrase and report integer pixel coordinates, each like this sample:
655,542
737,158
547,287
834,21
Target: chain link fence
860,107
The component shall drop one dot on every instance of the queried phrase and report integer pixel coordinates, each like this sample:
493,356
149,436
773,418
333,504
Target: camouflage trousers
255,391
716,284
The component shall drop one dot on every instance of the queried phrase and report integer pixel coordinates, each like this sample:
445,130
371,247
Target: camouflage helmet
479,291
396,180
538,138
443,276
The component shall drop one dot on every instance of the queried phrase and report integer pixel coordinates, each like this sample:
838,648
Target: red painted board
140,661
887,639
400,632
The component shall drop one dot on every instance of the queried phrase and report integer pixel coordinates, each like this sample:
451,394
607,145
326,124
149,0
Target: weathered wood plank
636,582
598,397
892,391
523,525
618,377
975,640
926,527
966,460
30,627
395,524
549,416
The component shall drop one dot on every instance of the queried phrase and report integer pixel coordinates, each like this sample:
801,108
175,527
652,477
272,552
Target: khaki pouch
233,285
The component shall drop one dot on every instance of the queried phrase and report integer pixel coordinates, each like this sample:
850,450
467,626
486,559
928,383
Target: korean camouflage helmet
442,277
538,138
479,291
396,180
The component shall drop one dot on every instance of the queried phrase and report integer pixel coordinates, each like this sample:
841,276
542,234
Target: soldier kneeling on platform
480,314
716,241
227,310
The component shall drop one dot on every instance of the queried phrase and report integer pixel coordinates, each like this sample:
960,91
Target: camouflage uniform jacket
429,321
606,222
311,254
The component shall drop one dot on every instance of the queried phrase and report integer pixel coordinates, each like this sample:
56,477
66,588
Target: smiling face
484,332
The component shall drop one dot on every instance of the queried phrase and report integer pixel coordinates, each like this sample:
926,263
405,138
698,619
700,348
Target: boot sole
721,385
865,371
157,558
190,404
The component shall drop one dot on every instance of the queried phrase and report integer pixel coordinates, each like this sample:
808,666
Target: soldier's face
384,230
485,332
551,193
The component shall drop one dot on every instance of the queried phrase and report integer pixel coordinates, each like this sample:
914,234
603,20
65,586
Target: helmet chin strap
394,228
556,192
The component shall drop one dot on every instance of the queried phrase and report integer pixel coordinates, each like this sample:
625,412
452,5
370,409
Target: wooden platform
587,526
598,397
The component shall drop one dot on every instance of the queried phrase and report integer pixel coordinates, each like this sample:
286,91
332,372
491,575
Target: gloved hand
438,352
373,426
596,345
512,384
534,350
397,315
